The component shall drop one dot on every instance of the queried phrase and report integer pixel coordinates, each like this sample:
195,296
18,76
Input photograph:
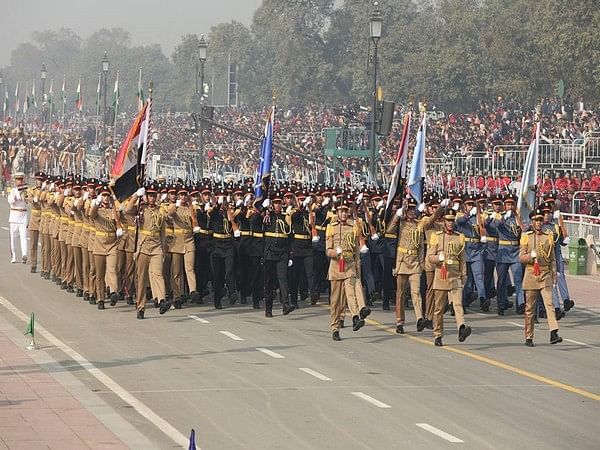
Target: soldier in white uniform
18,217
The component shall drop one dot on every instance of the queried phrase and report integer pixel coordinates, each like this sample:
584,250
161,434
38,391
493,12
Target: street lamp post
375,28
3,100
202,51
43,72
105,66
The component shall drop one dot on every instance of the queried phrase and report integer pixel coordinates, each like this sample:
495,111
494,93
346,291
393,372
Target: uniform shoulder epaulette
439,232
529,232
330,230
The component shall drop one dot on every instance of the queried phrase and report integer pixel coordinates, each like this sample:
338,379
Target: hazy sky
148,21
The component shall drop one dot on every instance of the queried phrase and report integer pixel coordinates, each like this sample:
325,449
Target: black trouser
255,279
242,274
302,278
222,270
276,271
389,282
320,269
202,264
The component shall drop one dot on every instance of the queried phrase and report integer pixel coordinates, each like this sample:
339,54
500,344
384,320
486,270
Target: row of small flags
30,100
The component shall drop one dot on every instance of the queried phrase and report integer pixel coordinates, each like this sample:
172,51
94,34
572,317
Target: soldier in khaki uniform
446,251
537,253
33,197
149,264
76,211
410,253
108,231
182,217
343,240
433,205
127,252
45,230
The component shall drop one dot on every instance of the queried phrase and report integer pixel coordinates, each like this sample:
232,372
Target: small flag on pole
192,445
98,95
31,331
140,92
116,93
78,99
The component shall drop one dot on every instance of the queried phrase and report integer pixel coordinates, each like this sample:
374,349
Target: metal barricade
581,226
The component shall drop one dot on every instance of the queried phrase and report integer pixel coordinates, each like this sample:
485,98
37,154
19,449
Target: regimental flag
263,177
140,92
127,170
399,174
63,93
527,190
78,98
116,94
17,99
98,95
33,100
417,168
30,326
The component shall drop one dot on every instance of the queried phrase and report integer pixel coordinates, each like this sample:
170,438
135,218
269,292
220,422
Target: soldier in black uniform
277,254
255,250
320,219
203,241
242,243
301,248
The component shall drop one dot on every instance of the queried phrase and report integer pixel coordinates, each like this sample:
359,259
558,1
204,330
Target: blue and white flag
526,200
263,177
417,167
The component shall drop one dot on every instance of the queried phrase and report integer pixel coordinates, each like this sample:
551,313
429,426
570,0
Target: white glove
86,195
266,203
441,257
196,230
364,249
239,203
307,201
374,237
334,198
445,202
290,263
237,233
399,212
194,202
247,199
456,206
66,192
35,199
44,185
119,232
483,239
220,199
325,201
206,207
316,239
140,192
338,251
473,211
556,215
380,204
178,203
422,207
98,200
163,197
359,198
567,240
507,214
533,254
52,186
72,213
288,210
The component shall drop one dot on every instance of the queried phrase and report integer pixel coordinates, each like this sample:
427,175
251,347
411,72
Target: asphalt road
244,381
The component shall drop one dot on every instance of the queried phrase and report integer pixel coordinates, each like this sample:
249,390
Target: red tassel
341,265
536,268
444,272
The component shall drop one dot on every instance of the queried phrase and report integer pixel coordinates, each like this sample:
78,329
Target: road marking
581,343
164,426
198,319
371,400
439,433
4,228
314,373
516,324
585,311
271,353
235,337
481,314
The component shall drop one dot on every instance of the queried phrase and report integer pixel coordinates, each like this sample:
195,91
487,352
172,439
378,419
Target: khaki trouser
530,299
46,253
414,281
343,292
179,263
85,270
106,274
128,273
63,261
55,256
441,297
429,296
149,269
33,247
166,273
78,267
70,266
92,276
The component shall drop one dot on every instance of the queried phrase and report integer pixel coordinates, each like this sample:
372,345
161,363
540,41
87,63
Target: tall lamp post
105,66
202,51
3,100
375,28
43,72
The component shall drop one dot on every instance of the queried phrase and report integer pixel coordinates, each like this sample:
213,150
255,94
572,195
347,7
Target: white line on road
371,400
198,319
516,324
448,437
4,228
314,373
235,337
164,426
271,353
581,343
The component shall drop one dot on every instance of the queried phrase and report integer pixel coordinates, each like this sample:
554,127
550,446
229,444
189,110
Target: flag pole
116,109
141,175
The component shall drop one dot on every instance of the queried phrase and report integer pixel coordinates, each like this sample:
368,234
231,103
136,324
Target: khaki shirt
151,230
33,193
452,246
345,236
543,244
181,219
106,242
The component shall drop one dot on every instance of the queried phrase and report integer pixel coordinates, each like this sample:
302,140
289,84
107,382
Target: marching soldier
45,229
301,247
17,219
76,242
537,253
33,195
446,251
320,217
344,241
203,242
433,205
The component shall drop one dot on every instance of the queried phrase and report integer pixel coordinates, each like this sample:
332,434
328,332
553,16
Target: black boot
233,298
357,323
114,298
559,313
529,343
177,303
336,336
568,304
130,300
438,342
314,298
463,332
92,299
386,305
79,293
364,312
100,304
86,297
164,306
554,337
140,314
399,329
420,325
485,304
521,309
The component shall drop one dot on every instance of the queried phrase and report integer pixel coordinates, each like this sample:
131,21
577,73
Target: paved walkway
36,412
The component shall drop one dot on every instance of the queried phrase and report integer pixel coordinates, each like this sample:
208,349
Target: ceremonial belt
19,209
46,213
276,235
257,235
71,221
78,224
503,242
221,236
468,239
390,235
150,233
320,228
130,228
104,234
35,212
245,233
181,231
305,237
407,251
491,239
209,232
64,219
